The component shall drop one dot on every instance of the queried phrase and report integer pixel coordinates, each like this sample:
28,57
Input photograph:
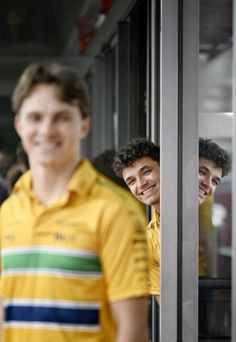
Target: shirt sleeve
124,255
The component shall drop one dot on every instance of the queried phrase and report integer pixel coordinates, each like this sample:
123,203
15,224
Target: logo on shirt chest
58,236
9,237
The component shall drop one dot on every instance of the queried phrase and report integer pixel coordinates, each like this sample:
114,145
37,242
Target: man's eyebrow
145,167
33,112
203,167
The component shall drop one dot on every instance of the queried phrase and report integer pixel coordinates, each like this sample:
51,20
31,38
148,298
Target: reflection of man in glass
207,241
208,150
139,164
214,163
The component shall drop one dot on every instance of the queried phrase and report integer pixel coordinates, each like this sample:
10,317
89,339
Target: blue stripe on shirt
85,316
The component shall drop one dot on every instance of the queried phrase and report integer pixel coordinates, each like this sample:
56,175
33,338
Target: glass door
215,215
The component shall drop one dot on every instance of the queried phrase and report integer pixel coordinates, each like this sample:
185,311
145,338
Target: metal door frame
178,134
233,291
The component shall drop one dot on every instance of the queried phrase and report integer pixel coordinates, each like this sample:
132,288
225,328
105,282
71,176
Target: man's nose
141,182
208,183
46,126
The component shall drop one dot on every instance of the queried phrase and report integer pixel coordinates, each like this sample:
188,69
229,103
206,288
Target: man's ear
17,124
86,123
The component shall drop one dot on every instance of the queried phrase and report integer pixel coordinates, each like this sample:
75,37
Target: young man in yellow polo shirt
138,163
74,261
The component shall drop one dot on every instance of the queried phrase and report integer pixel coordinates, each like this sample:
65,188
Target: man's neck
156,207
50,184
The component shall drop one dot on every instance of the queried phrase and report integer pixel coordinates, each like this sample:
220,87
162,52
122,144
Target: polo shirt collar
83,178
81,181
155,221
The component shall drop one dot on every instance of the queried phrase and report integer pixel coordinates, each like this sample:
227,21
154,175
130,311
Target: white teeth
146,191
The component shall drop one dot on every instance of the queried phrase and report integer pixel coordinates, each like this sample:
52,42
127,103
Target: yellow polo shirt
205,227
153,236
62,264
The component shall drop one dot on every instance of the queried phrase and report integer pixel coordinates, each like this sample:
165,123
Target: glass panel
215,122
214,309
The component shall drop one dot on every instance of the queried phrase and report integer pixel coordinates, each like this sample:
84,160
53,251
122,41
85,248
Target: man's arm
1,320
131,317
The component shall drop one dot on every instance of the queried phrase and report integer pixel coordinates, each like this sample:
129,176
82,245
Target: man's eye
201,172
215,182
34,118
147,172
130,182
63,117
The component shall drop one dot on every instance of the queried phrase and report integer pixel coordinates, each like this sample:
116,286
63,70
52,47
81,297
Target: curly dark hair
72,88
136,149
210,150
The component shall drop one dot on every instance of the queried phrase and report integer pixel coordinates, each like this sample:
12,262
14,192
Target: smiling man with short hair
66,273
214,163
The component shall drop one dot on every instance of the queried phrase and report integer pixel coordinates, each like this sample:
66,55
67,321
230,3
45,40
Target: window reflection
215,122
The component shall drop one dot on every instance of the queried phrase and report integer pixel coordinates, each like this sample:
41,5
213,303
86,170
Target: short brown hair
72,88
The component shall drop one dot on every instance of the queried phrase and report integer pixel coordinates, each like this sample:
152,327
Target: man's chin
144,201
150,201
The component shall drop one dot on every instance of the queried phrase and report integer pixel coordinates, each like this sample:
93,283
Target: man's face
50,129
143,180
209,177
